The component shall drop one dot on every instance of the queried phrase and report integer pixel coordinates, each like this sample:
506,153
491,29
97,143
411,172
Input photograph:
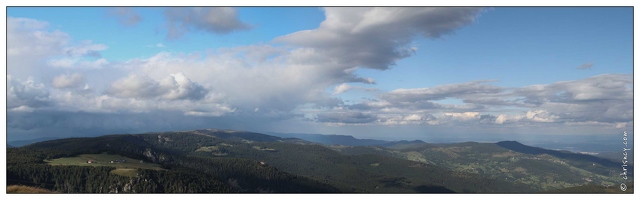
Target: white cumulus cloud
23,94
174,87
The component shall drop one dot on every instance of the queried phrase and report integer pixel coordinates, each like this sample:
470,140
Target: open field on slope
124,166
21,189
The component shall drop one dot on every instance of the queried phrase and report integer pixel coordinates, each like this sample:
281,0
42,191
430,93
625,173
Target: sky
395,73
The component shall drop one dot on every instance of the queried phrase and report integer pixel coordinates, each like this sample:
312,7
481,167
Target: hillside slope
536,167
240,161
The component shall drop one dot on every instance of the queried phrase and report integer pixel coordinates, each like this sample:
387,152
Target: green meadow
127,168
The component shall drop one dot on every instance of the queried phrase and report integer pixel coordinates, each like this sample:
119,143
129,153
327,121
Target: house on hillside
90,161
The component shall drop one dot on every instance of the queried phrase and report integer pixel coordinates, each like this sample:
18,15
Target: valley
541,171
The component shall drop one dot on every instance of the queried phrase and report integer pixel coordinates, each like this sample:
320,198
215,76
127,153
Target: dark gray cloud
377,37
63,123
487,118
125,15
28,121
217,20
346,117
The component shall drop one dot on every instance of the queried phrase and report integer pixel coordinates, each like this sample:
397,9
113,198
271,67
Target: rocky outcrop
154,156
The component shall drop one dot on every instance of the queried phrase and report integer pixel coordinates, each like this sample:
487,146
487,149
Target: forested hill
542,169
331,139
217,161
345,140
181,173
519,147
230,161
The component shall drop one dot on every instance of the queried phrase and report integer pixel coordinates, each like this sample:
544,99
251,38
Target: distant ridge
238,135
403,144
346,140
19,143
519,147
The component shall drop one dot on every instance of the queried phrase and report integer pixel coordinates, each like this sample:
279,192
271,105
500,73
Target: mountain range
217,161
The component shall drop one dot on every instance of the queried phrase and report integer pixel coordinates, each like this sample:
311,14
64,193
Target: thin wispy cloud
125,15
586,66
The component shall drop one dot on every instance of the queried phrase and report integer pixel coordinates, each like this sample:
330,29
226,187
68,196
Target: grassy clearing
124,166
21,189
208,149
416,156
103,160
247,141
125,172
215,150
263,148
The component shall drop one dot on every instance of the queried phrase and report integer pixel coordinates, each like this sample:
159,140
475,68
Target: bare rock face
113,188
154,156
164,140
128,187
149,154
